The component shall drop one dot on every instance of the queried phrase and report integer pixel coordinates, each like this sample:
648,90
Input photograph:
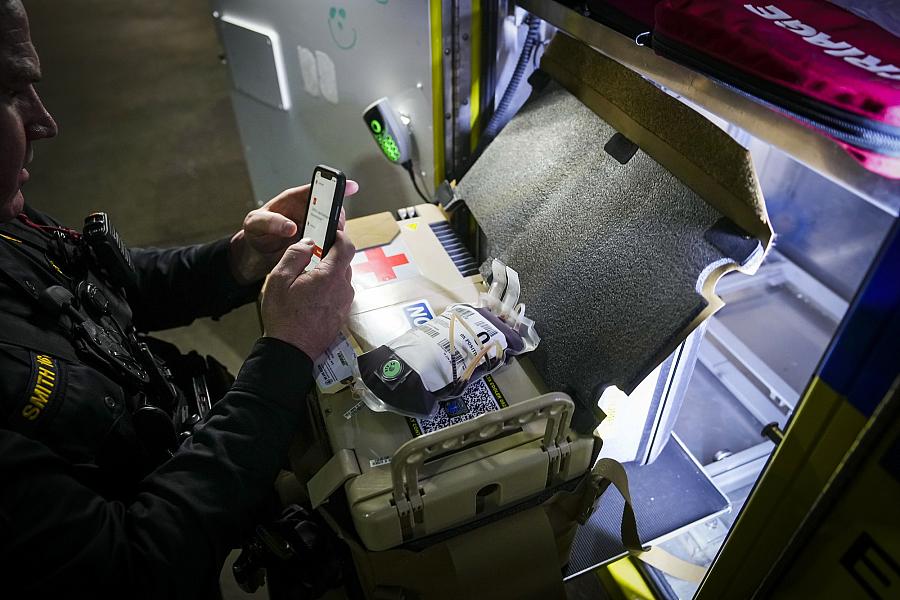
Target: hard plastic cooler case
403,480
816,62
441,512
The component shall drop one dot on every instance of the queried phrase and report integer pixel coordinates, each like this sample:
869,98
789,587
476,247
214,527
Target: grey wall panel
377,48
270,147
252,63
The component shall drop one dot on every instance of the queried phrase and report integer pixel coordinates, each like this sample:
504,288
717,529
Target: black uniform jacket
77,515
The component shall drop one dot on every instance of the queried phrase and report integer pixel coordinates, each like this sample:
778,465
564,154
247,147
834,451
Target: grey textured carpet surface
609,255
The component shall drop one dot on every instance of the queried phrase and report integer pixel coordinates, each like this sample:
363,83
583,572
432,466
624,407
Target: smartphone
326,196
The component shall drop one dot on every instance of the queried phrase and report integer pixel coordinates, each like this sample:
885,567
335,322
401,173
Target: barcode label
457,355
480,397
377,462
431,331
464,311
484,325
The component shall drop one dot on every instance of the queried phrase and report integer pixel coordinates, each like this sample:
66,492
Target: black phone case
335,207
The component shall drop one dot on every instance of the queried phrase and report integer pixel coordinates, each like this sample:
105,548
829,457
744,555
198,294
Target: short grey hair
11,6
11,9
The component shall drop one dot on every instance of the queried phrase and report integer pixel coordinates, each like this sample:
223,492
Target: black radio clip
110,252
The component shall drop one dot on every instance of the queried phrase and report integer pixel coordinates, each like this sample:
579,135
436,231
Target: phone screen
321,202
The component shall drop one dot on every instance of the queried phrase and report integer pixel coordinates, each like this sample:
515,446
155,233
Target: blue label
455,407
418,313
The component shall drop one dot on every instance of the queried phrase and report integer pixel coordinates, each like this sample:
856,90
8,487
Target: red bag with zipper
818,63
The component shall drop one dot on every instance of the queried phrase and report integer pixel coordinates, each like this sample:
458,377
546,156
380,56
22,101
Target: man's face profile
23,118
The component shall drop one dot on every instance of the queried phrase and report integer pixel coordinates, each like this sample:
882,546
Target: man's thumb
294,260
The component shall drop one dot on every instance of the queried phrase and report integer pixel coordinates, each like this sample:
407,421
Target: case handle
407,461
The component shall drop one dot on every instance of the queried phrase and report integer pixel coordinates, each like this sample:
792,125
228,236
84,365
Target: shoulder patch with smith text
44,388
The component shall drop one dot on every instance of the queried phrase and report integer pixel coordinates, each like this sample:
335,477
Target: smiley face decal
344,37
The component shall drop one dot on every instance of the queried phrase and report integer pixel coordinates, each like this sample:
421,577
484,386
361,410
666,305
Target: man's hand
269,230
308,309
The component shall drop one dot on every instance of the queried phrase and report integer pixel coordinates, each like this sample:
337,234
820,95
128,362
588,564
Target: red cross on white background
380,265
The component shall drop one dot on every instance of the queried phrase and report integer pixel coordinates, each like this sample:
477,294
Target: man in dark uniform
86,508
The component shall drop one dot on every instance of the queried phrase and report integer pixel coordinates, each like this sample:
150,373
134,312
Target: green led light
376,126
389,147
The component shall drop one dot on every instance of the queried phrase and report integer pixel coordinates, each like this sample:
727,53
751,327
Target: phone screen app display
321,199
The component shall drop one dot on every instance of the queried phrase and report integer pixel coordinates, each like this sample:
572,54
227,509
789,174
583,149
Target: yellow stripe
58,270
12,239
437,89
629,580
475,95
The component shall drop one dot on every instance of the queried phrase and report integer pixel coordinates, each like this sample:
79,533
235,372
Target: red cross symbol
380,265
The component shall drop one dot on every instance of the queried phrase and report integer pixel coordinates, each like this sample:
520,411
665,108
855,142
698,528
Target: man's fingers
351,188
302,191
293,202
261,222
340,254
288,195
294,260
289,198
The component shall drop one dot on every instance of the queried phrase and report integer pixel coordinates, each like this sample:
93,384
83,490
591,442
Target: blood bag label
439,358
333,368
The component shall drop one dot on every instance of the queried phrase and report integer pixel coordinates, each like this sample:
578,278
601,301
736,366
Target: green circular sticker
391,369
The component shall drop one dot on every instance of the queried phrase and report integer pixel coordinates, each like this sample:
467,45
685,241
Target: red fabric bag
823,66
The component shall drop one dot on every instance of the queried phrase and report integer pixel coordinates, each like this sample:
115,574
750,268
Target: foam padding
698,152
612,257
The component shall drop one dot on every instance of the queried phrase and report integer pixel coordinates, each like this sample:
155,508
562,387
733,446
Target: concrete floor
147,134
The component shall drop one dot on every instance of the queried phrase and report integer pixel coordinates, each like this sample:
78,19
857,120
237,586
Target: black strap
30,281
